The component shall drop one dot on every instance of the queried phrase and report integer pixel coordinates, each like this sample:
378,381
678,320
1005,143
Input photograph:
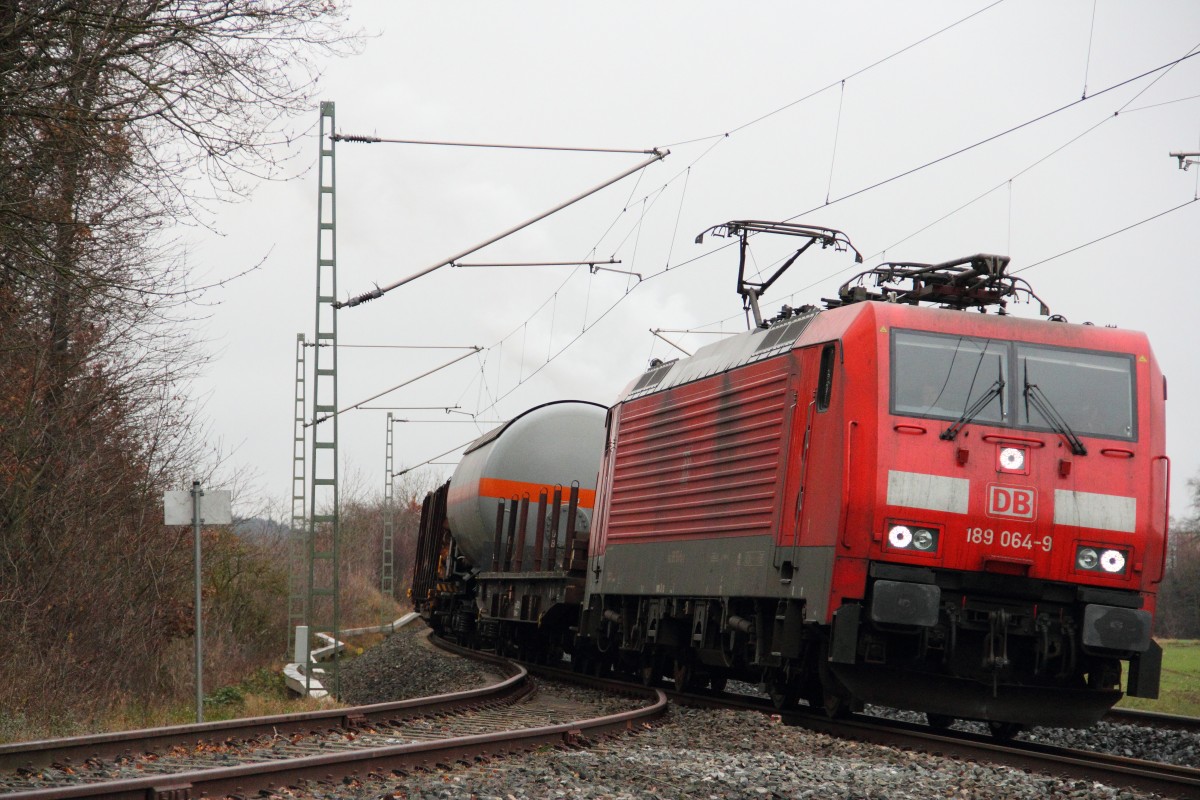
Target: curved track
246,756
1168,780
1149,776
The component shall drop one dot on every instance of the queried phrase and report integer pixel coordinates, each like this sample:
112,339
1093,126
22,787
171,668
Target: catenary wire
854,74
1108,235
995,136
1123,109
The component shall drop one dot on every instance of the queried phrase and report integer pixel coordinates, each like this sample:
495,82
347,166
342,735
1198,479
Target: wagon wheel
554,655
682,675
783,696
584,661
836,706
717,683
650,672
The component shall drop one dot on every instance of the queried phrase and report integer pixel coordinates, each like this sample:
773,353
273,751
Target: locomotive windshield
945,376
948,377
1092,391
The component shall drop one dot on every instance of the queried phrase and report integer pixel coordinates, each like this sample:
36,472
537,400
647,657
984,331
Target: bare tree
1179,596
119,119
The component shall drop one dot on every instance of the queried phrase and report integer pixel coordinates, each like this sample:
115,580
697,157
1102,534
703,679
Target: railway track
1153,719
513,715
1168,780
247,756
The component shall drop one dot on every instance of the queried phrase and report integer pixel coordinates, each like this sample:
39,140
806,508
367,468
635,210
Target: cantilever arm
380,291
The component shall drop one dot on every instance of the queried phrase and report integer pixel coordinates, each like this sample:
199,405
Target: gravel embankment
698,753
405,665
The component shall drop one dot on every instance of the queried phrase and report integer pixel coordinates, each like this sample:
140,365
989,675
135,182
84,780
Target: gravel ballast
405,665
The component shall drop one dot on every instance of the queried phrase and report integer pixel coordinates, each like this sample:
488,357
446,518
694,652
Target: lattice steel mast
323,545
297,533
386,571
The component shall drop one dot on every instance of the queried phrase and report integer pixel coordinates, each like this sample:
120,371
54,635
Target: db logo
1011,501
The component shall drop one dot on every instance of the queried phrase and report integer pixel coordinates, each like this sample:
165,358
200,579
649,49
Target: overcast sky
771,110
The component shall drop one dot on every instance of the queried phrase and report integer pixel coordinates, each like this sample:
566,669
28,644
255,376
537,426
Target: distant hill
258,528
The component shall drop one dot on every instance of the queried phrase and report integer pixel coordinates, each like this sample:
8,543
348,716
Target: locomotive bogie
701,642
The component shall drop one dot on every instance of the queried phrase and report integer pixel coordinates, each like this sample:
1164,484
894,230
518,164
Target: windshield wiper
996,390
1042,404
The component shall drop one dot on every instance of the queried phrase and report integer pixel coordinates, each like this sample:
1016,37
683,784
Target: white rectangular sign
215,507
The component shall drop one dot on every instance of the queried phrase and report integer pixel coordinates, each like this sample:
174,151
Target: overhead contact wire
1108,235
823,89
995,136
1166,68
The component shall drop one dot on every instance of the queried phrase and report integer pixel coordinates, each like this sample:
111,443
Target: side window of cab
825,379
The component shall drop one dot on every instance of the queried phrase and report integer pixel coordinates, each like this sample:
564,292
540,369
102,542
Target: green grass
1179,692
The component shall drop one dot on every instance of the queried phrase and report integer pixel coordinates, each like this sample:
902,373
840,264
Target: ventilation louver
782,336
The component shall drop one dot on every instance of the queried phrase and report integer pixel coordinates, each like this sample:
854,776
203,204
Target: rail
31,755
353,753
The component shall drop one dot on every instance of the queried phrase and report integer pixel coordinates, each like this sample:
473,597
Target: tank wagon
502,545
963,514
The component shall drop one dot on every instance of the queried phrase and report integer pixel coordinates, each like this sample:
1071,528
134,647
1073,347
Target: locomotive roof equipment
976,281
751,291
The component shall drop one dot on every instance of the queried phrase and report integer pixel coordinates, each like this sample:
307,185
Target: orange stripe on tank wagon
506,490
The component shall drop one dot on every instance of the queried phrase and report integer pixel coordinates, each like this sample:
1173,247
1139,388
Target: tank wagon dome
554,444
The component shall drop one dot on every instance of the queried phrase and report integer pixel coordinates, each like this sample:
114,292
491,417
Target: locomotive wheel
939,722
835,698
717,683
1004,730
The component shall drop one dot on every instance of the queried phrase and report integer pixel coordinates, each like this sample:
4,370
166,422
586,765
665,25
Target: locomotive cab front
1017,520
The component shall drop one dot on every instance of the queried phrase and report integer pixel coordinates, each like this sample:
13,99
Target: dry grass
262,694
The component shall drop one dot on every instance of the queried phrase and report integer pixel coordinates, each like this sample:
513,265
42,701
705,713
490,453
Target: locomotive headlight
1112,561
1087,558
1012,459
922,539
913,537
900,537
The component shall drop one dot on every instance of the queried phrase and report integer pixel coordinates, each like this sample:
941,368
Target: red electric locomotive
880,501
957,513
